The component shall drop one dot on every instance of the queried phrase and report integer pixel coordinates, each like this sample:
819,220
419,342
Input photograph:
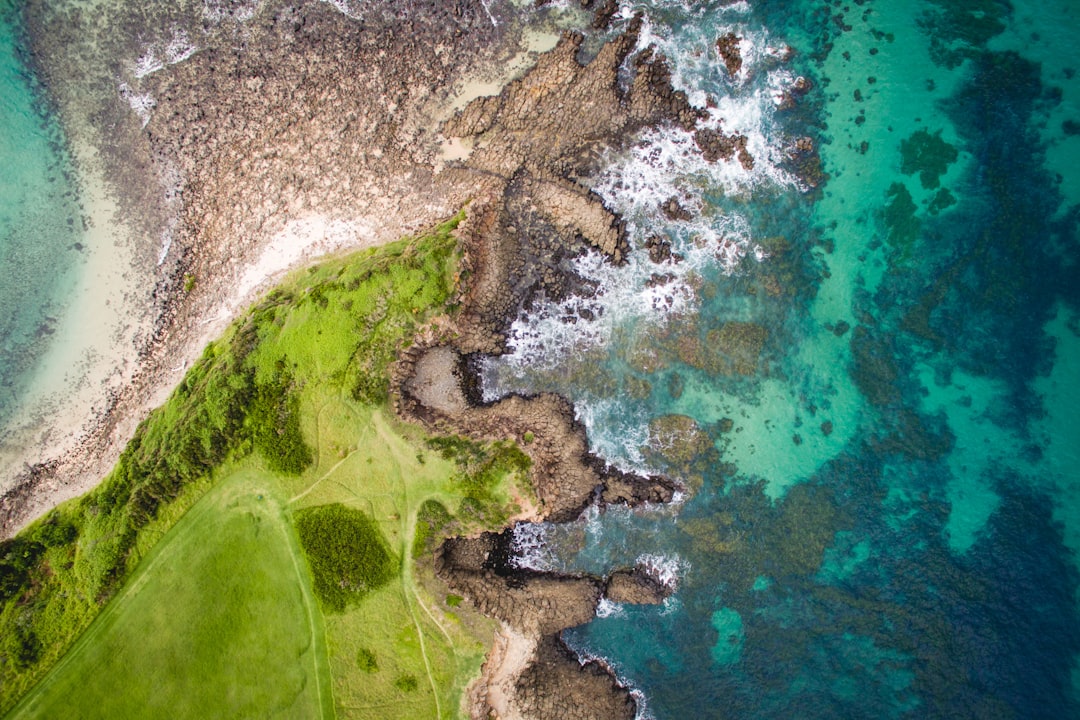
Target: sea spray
708,233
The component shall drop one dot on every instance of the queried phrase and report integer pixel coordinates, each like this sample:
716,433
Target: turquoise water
40,221
882,372
870,385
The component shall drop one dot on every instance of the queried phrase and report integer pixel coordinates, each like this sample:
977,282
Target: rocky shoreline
362,124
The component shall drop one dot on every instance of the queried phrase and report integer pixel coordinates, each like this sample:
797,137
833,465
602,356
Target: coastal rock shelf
312,123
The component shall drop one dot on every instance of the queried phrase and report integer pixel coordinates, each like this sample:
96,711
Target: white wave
607,608
530,548
178,49
544,338
585,655
664,569
616,433
670,605
147,63
142,103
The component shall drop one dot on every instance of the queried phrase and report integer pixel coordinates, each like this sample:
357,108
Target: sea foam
554,339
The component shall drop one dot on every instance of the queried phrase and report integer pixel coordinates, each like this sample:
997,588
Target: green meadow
263,547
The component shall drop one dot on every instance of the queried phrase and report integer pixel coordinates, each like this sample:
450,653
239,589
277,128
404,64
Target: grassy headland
191,553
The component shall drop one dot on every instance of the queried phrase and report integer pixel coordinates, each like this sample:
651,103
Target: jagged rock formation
308,113
535,607
635,587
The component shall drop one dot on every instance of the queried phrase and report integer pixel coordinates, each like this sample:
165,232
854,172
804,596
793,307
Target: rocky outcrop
728,48
555,685
564,475
715,145
549,681
636,586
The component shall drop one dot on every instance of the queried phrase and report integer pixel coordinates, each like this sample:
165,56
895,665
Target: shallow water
40,221
883,508
884,512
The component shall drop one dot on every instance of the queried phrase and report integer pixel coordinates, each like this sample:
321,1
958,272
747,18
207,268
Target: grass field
185,563
218,621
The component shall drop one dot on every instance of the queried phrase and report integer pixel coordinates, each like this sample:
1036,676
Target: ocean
41,222
863,361
865,373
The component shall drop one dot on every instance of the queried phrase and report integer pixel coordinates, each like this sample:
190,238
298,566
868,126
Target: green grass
289,405
218,621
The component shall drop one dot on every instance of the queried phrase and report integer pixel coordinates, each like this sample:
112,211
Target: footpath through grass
218,621
191,544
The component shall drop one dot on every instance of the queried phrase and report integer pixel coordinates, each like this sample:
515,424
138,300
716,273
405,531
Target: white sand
96,338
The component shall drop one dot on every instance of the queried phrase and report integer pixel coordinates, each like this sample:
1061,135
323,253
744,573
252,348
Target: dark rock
728,47
673,210
636,586
715,145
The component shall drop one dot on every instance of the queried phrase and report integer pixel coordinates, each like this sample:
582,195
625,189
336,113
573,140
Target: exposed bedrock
636,586
538,606
565,476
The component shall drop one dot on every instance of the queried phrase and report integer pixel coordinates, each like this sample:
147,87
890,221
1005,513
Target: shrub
347,554
431,519
275,424
365,660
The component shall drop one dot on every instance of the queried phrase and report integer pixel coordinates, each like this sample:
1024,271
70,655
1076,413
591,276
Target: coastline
519,162
140,350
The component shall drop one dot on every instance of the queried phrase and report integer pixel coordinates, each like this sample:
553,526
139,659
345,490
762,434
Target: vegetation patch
290,400
347,554
275,423
366,661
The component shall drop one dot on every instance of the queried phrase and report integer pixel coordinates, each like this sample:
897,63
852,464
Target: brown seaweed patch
736,348
928,155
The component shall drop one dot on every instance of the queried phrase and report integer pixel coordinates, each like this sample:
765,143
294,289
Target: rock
673,210
660,250
635,586
728,47
715,145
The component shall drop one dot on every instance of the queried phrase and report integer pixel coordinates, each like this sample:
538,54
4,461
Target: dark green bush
18,559
274,417
365,660
347,554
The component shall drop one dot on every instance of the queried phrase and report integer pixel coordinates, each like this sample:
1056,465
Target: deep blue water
880,374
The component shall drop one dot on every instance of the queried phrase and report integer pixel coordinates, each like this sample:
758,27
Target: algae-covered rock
735,348
678,442
928,155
